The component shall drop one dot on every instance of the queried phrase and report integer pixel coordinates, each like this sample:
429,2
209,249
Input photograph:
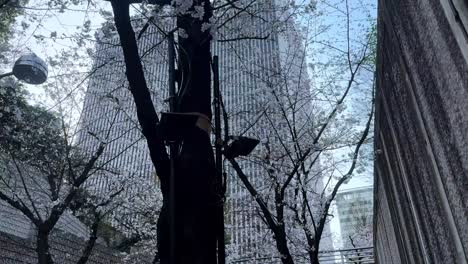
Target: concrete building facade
421,143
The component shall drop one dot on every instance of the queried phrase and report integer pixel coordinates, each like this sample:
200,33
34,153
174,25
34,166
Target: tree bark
280,233
91,242
147,117
312,251
282,246
278,229
42,247
313,255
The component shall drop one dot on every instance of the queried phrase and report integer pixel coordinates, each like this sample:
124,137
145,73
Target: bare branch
245,38
263,206
26,190
23,208
331,197
57,210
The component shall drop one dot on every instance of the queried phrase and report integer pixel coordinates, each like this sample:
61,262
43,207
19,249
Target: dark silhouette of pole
172,154
193,173
219,162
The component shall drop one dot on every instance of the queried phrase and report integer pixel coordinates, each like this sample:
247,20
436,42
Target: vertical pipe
172,150
219,161
171,55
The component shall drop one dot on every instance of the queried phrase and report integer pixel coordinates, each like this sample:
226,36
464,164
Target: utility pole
219,162
172,153
189,176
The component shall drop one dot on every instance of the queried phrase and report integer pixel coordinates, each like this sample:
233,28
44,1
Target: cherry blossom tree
44,173
303,124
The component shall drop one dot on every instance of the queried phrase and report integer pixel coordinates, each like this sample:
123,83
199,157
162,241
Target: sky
48,33
334,19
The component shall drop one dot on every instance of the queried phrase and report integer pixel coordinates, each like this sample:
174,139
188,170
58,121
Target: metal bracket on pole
6,75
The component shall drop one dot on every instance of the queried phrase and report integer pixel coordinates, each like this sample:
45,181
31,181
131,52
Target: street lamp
240,146
30,69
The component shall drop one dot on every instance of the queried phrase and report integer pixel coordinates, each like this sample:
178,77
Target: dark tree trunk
280,231
42,247
277,227
313,245
312,251
195,206
282,246
147,117
315,259
313,256
91,242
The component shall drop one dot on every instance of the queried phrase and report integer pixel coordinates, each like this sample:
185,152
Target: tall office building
355,212
109,116
248,68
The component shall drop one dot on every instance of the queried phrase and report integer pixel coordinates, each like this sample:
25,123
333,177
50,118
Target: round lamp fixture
30,69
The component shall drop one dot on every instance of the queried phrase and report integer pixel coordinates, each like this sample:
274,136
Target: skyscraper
355,210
